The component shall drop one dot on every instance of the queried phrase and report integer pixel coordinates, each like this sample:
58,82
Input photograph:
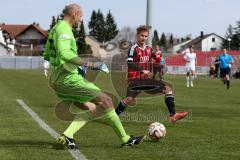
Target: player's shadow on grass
31,143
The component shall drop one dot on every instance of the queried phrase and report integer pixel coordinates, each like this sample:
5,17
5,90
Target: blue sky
179,17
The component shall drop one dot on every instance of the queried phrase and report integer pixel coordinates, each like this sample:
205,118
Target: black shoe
67,142
134,141
228,84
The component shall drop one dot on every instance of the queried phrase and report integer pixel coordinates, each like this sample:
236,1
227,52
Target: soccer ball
156,131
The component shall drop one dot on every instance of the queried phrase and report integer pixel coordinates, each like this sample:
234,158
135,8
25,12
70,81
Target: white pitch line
75,153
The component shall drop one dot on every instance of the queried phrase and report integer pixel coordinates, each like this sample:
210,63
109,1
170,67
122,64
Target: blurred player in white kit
190,59
46,67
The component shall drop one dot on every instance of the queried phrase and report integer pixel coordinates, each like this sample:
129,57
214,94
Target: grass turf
211,131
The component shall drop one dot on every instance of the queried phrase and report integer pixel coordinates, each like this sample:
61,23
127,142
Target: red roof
15,30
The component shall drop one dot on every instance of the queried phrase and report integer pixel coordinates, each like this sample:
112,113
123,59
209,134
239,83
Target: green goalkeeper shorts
74,87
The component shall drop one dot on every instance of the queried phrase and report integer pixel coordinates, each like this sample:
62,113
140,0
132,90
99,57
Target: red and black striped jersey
157,56
141,57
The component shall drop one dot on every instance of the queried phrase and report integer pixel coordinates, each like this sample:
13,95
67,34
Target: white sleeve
185,56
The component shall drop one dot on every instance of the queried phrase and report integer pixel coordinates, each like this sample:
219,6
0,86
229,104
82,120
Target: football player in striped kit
140,77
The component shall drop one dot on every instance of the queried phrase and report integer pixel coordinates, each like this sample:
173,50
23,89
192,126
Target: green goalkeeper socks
79,121
113,120
110,116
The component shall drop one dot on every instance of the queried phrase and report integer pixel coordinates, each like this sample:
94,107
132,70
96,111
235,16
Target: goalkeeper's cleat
67,142
134,141
104,68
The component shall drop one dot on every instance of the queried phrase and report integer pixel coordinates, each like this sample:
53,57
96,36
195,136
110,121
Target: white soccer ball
156,131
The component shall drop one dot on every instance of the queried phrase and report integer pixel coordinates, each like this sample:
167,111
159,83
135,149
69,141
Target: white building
208,42
29,40
212,42
6,47
4,50
178,46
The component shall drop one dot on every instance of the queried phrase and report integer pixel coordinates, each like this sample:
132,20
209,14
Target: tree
110,27
182,39
163,42
238,34
101,29
171,41
230,31
54,20
53,23
97,26
232,37
178,40
228,35
235,42
79,34
92,24
155,39
60,17
237,28
188,38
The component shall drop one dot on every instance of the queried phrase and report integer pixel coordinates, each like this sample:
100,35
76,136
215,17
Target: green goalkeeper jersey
64,80
60,48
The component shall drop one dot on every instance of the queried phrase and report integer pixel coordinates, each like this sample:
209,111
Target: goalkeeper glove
82,70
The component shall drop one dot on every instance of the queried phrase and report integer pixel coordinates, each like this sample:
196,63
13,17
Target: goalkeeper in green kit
69,85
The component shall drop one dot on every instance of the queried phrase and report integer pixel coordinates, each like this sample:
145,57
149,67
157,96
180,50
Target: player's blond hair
142,29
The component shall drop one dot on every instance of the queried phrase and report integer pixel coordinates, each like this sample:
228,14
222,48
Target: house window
213,39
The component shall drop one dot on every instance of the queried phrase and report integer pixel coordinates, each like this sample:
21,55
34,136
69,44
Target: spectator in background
237,73
164,67
157,66
212,72
216,66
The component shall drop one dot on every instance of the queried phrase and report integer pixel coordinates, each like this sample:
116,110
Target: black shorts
158,68
224,72
149,86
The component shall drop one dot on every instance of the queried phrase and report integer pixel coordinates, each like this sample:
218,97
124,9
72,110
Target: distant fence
182,70
170,69
175,63
21,62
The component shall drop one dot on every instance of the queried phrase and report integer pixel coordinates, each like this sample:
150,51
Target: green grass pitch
210,132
